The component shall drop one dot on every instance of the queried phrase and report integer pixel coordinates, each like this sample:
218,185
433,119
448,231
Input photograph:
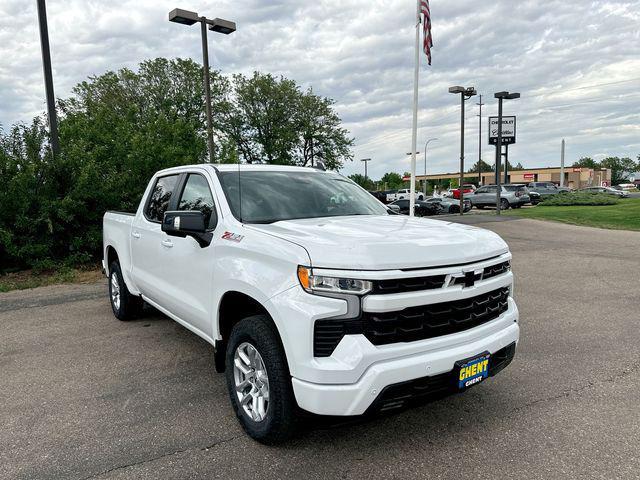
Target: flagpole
414,133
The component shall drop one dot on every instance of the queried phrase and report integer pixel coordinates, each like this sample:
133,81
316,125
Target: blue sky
576,63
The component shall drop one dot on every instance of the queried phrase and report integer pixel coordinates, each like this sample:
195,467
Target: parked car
466,189
606,191
380,195
394,208
511,196
313,297
544,189
422,208
535,197
449,205
625,187
403,194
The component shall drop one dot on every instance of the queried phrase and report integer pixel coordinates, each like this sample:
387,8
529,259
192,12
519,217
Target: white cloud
576,64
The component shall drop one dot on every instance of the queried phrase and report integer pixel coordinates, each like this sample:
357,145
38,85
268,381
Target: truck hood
386,242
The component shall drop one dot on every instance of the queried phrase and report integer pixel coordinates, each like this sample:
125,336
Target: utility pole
465,94
48,77
562,164
506,162
480,104
365,160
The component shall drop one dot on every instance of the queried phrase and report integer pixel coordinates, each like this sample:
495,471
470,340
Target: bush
579,198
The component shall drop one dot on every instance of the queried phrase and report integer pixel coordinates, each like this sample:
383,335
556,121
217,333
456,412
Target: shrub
579,198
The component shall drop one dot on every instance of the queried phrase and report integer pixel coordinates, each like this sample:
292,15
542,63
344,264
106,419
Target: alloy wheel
251,381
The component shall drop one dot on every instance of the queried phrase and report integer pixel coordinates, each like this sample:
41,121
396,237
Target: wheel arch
235,305
110,255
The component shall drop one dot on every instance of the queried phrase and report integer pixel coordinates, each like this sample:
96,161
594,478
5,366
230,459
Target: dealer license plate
472,370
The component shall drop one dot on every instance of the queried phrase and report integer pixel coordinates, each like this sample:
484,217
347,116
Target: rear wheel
259,382
125,306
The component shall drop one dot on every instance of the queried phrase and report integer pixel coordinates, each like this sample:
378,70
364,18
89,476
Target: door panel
188,265
146,237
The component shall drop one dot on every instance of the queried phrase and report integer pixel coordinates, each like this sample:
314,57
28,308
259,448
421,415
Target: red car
466,188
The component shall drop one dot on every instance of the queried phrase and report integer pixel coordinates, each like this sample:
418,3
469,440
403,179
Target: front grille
420,390
400,285
411,324
414,284
428,321
497,269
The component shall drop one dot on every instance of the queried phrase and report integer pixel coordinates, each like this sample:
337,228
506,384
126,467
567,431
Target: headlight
321,283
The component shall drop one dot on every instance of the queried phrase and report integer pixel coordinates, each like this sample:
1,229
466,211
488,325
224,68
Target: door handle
167,243
135,234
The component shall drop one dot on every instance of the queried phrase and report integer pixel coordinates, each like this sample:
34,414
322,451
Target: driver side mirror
189,223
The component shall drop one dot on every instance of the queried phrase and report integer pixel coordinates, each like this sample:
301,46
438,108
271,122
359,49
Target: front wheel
259,382
125,306
504,204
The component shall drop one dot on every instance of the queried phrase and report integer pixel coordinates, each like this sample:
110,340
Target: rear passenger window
160,197
197,196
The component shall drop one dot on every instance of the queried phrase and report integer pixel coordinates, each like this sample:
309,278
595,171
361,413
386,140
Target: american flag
426,29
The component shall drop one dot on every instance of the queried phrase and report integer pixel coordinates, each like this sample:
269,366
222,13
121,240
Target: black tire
281,416
504,204
129,306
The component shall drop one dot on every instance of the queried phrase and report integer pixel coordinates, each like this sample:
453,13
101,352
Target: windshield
271,196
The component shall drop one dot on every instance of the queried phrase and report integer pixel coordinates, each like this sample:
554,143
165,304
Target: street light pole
365,160
219,25
207,88
425,164
500,96
480,104
465,94
48,77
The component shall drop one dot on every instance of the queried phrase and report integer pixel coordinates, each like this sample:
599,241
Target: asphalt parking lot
86,396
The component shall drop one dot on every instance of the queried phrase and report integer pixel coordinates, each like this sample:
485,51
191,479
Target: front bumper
356,398
348,381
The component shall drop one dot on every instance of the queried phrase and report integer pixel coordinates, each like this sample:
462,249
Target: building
573,177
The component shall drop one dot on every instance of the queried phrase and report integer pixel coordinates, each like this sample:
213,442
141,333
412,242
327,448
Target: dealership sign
529,175
508,130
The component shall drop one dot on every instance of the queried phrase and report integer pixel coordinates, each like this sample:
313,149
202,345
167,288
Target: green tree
365,183
620,168
391,181
484,167
586,162
120,127
272,121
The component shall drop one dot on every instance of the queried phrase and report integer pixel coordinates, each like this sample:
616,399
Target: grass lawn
29,279
623,216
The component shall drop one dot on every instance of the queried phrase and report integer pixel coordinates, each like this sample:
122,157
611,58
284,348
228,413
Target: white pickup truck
403,194
313,296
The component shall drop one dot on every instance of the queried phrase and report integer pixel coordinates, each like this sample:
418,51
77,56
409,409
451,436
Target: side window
403,203
197,196
159,197
482,190
492,189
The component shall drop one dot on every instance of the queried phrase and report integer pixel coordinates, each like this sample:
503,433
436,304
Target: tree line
118,128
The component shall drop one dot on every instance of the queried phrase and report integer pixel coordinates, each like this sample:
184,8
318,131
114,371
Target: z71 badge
234,237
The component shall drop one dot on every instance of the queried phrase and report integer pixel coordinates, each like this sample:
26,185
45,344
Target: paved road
86,396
